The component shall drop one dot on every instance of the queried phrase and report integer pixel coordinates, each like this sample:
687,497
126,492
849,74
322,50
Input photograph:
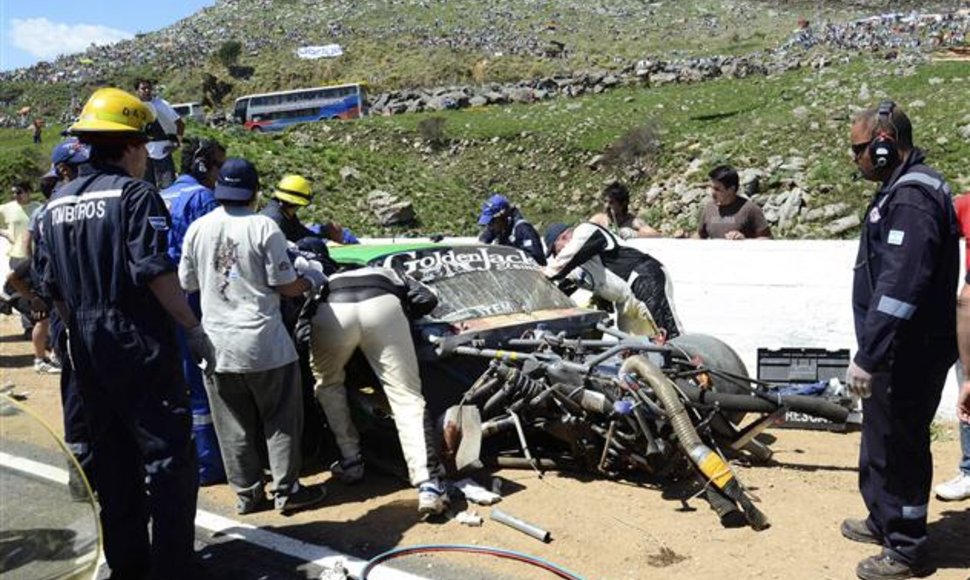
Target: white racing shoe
432,498
954,490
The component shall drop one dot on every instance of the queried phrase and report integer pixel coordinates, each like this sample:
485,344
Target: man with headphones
903,301
189,198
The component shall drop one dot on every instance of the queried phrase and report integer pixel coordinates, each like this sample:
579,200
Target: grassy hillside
538,154
790,127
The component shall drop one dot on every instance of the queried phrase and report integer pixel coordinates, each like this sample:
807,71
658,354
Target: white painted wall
768,294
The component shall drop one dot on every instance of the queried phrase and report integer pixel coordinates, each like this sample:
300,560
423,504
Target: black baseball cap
238,180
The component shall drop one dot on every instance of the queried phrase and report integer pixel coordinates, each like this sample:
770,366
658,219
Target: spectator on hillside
505,225
616,215
38,127
728,215
160,171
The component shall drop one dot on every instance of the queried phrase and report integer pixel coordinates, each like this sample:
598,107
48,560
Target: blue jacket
905,283
190,200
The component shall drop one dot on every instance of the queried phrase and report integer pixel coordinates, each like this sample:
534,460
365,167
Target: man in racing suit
505,225
636,283
369,308
903,301
110,277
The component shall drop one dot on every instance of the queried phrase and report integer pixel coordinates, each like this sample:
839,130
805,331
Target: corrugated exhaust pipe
709,463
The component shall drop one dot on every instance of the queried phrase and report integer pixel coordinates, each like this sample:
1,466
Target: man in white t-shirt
236,259
160,170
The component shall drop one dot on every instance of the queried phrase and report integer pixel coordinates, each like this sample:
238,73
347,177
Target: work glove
312,270
627,233
203,353
858,381
317,281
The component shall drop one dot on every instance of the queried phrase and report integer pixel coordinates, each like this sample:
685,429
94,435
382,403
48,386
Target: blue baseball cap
492,208
552,234
238,180
70,151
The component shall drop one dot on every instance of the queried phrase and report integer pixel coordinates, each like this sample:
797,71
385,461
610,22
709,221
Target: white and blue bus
276,111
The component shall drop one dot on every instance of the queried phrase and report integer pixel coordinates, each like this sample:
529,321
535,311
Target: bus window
239,113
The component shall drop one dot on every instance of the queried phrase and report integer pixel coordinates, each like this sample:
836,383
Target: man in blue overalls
188,199
903,301
116,288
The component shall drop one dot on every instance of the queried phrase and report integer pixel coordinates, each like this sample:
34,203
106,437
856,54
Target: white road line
315,554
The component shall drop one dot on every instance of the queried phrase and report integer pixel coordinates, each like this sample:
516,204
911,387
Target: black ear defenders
199,166
882,148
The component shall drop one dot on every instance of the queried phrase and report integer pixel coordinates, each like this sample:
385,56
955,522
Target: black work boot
885,567
858,531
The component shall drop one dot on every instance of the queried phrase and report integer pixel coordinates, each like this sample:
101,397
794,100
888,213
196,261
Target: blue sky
36,30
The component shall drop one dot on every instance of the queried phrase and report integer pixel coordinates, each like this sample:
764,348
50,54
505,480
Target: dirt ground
606,529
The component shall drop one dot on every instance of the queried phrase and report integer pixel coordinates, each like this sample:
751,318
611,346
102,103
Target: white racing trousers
379,327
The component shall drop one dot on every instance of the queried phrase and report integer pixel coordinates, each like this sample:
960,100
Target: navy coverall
903,302
106,237
522,235
77,436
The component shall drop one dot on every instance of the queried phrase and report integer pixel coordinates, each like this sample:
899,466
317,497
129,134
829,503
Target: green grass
537,153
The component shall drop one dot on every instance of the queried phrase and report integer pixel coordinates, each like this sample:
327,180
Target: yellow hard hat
294,189
111,110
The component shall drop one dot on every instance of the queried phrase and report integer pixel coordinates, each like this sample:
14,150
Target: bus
276,111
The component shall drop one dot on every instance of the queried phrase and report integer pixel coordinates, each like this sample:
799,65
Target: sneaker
885,567
858,531
954,490
301,499
251,504
432,499
348,470
44,366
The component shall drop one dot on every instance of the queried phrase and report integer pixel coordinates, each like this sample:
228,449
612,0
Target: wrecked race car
518,375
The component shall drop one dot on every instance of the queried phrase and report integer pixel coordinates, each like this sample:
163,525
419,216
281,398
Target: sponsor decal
434,264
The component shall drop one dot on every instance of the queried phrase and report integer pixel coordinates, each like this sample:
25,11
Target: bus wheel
257,129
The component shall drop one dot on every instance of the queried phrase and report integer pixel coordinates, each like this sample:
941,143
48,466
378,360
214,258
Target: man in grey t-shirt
236,259
727,215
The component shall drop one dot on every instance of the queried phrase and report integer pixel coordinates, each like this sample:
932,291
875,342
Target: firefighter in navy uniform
903,300
111,279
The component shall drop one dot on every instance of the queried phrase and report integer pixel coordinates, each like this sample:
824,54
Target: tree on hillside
228,53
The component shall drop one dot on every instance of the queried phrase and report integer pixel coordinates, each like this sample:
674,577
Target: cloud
45,39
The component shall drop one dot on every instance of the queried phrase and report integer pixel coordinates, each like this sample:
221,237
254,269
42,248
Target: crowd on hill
191,42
